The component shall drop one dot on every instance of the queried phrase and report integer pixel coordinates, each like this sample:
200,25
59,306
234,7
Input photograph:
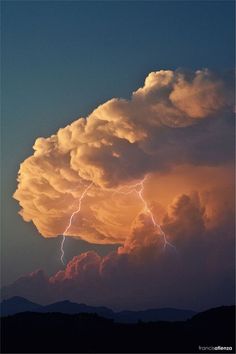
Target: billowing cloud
173,142
141,274
176,119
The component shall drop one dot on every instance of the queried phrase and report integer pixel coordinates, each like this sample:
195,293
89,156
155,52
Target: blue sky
61,59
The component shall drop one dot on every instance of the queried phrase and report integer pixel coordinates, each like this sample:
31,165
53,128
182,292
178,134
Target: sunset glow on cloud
176,135
141,273
176,119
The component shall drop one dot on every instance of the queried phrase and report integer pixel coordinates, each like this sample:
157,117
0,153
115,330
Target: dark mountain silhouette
165,314
17,304
74,308
89,333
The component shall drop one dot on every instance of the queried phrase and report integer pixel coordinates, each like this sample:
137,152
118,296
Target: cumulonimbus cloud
141,275
176,119
176,133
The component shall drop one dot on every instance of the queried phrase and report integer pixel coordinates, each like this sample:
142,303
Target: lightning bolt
71,220
138,188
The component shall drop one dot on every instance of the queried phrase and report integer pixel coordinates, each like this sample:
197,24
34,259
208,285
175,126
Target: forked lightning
138,188
70,221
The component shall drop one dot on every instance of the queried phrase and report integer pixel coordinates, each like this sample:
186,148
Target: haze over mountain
18,304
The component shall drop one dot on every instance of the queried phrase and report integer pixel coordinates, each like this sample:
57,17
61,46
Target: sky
61,60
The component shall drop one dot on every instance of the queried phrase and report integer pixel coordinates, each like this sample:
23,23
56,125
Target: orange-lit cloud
176,129
140,274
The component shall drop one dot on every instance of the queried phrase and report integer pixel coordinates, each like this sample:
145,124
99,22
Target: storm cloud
177,118
141,274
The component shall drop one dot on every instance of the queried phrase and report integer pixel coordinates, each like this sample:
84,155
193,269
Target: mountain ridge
19,304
